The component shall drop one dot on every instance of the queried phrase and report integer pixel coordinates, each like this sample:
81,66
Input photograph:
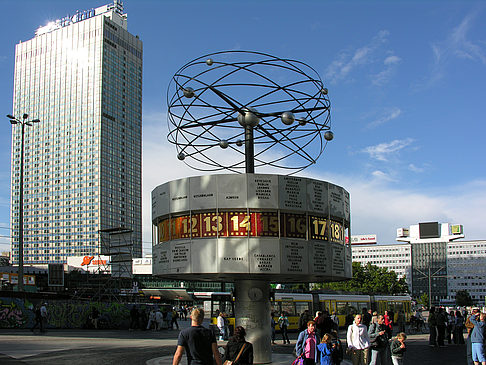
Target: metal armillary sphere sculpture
267,110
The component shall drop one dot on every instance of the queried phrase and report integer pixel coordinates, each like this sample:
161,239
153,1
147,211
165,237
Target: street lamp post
23,122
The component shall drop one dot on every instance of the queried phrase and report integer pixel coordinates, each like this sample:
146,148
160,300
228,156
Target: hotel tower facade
81,76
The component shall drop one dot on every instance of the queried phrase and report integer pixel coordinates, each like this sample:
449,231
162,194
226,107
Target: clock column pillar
252,308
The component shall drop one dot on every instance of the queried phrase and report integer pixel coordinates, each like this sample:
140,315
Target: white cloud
381,78
347,61
382,151
414,168
457,44
387,116
379,208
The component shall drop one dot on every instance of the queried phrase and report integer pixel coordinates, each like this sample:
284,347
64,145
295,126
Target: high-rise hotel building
82,77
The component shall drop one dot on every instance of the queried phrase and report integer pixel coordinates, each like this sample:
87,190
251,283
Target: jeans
381,357
397,360
433,335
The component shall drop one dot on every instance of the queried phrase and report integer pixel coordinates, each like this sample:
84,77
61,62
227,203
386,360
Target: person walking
358,342
306,346
379,342
458,329
441,327
272,326
220,324
283,323
432,321
38,319
198,342
401,321
151,320
366,317
397,348
175,315
238,350
134,315
159,320
477,338
326,349
338,351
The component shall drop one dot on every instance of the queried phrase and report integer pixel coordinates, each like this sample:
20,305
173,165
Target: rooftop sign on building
366,239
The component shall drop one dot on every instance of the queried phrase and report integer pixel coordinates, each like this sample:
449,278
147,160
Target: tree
463,298
423,300
369,279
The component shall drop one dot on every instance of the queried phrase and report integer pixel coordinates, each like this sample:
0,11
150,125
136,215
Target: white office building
432,261
81,76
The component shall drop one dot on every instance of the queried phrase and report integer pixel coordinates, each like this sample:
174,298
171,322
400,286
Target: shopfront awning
168,294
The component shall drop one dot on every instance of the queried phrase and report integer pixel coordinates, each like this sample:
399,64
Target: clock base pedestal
252,311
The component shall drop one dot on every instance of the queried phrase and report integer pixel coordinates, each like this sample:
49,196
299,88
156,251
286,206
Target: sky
406,81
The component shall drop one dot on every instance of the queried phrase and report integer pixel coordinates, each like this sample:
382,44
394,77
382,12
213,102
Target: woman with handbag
306,346
238,351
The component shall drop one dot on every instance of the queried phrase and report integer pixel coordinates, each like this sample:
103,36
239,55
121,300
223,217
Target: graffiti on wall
15,313
19,313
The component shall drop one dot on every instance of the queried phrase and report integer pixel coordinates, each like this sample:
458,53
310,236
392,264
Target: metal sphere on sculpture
287,118
223,144
189,92
245,90
248,117
329,136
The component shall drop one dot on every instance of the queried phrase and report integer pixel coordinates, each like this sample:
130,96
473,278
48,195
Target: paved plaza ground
85,347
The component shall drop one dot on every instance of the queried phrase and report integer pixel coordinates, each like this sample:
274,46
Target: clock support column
252,309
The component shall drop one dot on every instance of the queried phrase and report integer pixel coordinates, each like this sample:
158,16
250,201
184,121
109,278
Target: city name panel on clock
261,226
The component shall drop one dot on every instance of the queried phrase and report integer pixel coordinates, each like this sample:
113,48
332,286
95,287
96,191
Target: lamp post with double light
23,122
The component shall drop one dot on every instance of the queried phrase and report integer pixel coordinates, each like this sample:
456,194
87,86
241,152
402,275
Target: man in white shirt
358,342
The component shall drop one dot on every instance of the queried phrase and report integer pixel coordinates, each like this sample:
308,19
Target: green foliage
463,298
369,279
423,300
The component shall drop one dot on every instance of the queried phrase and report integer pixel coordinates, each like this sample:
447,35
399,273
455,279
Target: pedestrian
175,315
306,345
335,319
143,319
151,320
366,317
388,316
220,324
283,323
397,348
134,315
159,319
43,310
458,329
379,342
272,326
238,350
451,318
326,348
358,342
38,319
303,319
168,317
198,342
441,327
470,326
94,317
432,321
477,338
401,321
338,351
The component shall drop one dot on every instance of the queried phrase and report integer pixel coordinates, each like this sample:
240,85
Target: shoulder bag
231,362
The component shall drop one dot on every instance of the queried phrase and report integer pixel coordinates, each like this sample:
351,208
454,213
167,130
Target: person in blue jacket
326,349
306,346
477,338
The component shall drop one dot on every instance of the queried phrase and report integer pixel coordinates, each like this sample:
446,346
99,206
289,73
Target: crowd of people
157,319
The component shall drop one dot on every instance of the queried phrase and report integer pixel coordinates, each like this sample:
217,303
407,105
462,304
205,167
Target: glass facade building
82,77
